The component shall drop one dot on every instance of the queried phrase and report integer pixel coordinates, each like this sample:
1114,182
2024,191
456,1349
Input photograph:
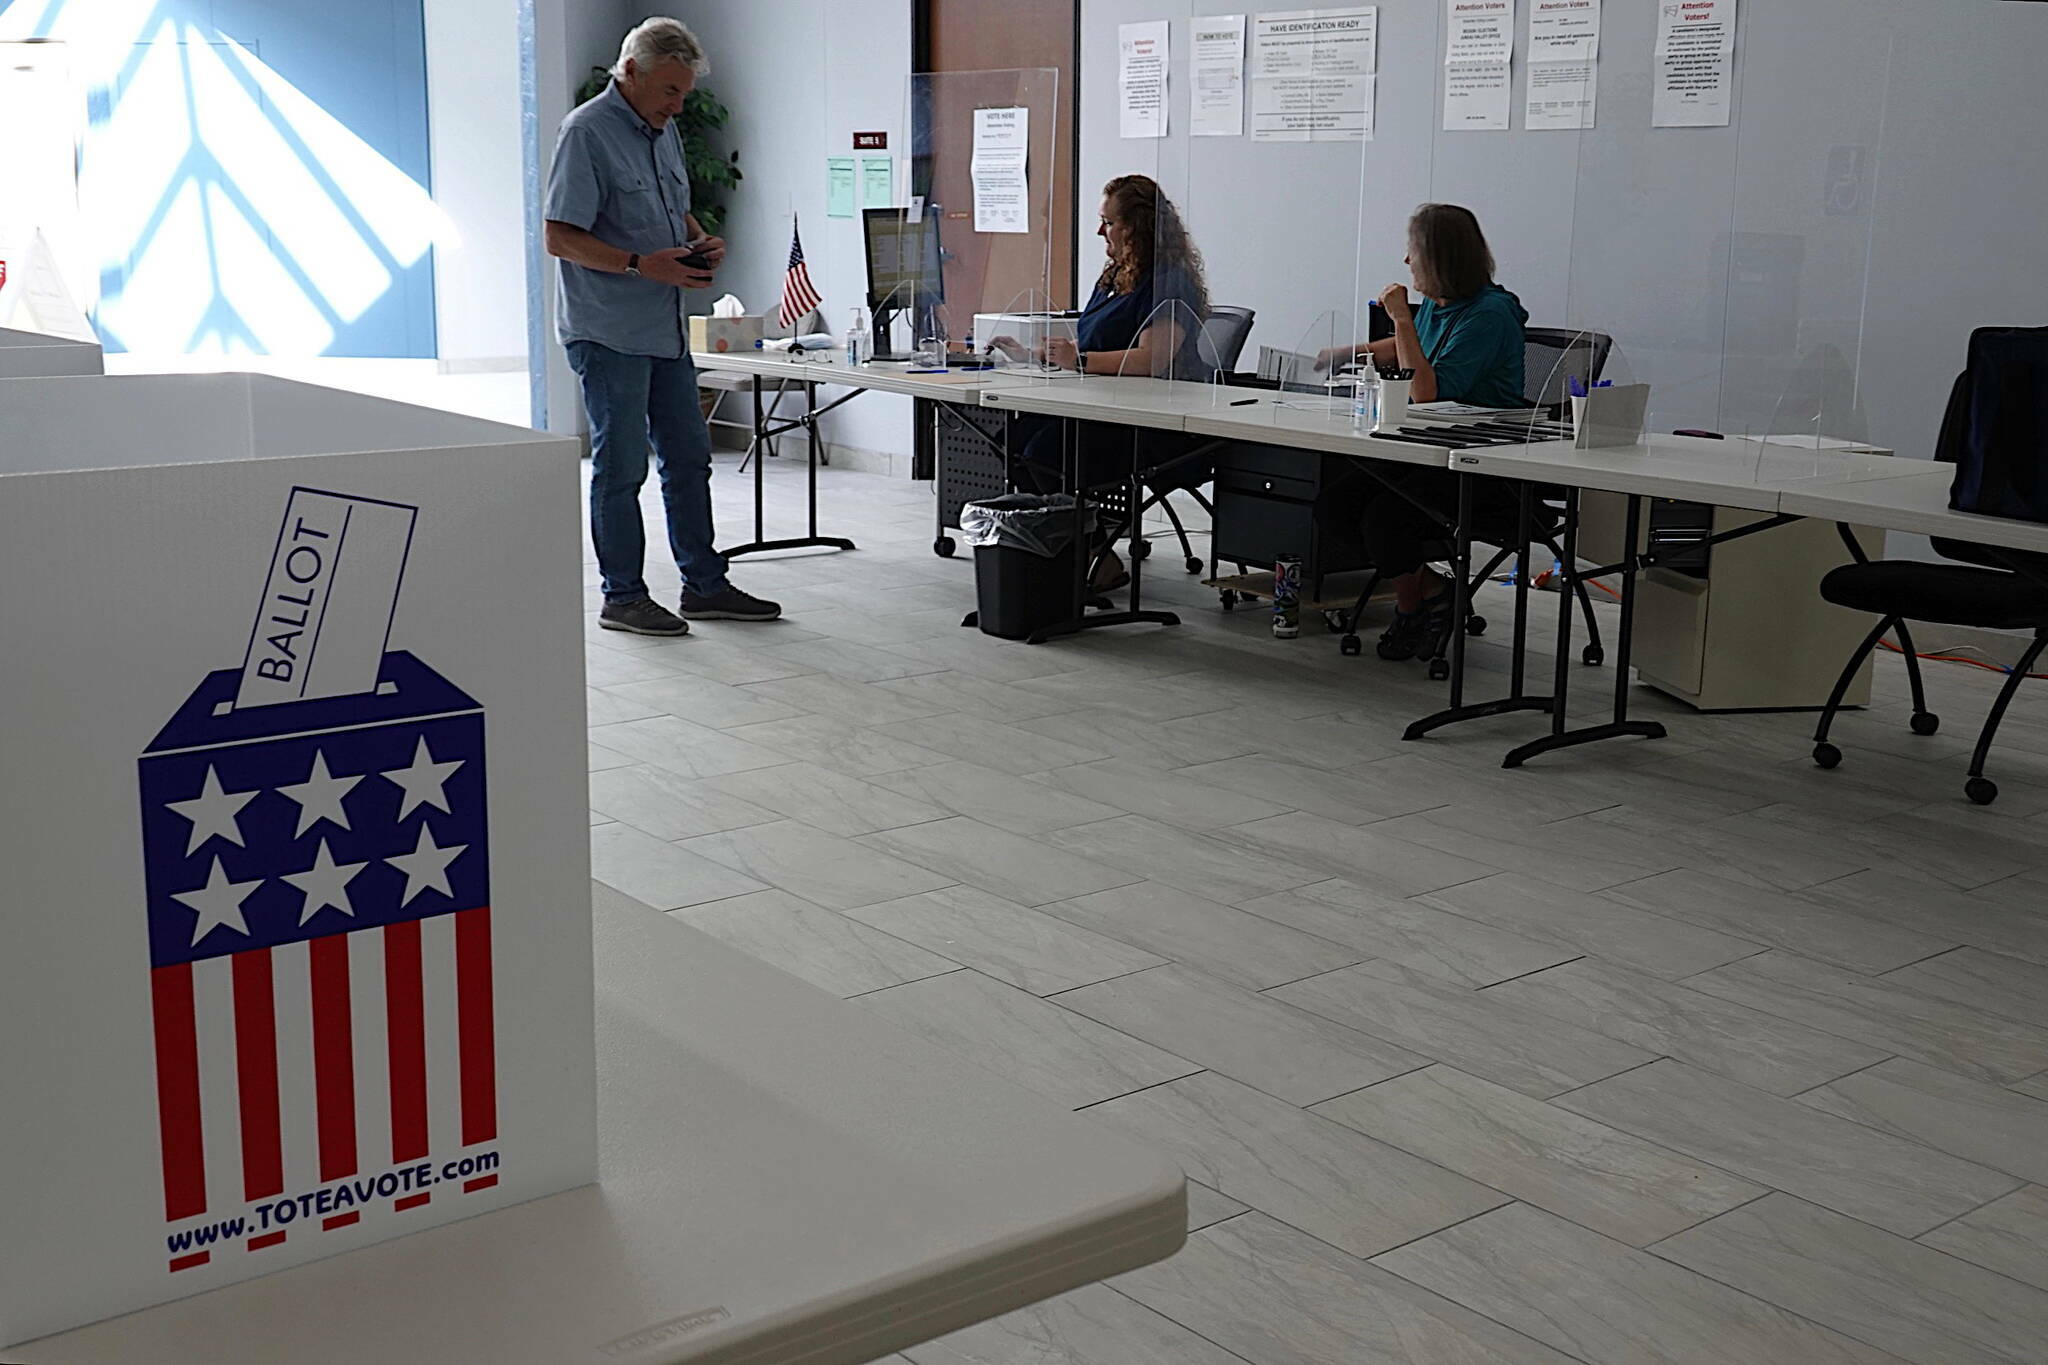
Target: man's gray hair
659,40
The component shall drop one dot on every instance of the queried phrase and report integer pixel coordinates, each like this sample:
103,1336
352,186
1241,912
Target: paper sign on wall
1002,138
1141,79
1564,54
1478,64
1219,76
1313,74
877,182
1695,64
839,187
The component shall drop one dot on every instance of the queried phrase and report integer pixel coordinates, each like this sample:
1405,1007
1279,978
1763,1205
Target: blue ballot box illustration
317,872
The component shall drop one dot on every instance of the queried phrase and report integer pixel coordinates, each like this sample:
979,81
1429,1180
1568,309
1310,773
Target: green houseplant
712,174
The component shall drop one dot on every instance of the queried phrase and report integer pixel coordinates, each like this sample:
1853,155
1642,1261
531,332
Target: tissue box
714,336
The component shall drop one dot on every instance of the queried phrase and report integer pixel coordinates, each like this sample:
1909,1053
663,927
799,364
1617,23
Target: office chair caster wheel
1475,626
1925,722
1439,670
1827,755
1228,599
1981,790
944,546
1195,565
1594,656
1351,646
1141,549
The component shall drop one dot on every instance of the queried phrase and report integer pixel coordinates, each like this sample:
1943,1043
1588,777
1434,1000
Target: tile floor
1683,1051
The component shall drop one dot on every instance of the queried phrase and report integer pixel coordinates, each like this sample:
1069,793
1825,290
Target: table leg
1620,727
1087,620
1517,698
814,446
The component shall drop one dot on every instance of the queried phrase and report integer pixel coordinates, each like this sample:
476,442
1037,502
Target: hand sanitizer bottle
1365,399
857,339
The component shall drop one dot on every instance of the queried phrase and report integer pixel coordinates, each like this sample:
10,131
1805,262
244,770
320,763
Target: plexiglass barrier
960,268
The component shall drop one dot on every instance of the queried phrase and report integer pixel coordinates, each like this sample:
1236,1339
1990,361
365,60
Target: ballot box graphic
314,870
295,950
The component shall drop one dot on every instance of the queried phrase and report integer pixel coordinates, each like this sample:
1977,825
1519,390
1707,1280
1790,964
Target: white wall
570,37
1712,255
800,77
473,123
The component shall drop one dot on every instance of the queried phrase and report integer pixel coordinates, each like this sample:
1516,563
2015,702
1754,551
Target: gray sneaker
642,617
728,604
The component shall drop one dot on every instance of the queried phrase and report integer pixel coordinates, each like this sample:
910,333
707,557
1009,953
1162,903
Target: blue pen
1604,384
1578,386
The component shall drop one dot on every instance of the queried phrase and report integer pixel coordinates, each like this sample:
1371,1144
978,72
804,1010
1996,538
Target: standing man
618,218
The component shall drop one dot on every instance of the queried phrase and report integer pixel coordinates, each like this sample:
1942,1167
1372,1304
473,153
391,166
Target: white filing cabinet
1747,629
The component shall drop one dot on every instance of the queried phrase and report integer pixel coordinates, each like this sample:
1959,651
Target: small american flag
799,295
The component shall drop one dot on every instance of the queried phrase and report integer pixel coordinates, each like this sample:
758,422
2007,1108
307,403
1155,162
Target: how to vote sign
335,983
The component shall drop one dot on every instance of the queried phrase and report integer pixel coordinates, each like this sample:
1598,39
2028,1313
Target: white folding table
786,1178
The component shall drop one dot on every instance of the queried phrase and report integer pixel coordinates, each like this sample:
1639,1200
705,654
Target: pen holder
1393,402
1610,417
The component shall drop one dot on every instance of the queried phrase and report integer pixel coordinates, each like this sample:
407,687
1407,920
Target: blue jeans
630,398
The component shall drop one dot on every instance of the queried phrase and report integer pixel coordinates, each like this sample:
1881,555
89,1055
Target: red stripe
406,1030
334,1066
341,1220
482,1182
256,1074
177,1095
474,1029
412,1201
197,1257
267,1240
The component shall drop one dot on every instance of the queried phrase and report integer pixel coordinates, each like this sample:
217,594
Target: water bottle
857,339
1365,399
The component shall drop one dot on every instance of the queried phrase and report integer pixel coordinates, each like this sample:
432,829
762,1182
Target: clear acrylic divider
967,257
1804,205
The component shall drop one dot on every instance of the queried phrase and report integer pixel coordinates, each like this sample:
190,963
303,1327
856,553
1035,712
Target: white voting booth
296,956
31,355
295,953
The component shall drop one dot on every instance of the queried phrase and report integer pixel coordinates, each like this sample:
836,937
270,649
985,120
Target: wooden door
959,37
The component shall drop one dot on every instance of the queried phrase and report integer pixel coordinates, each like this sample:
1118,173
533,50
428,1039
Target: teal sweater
1475,346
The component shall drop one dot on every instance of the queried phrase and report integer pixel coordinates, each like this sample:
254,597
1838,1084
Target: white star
319,796
424,780
426,866
325,883
219,903
213,812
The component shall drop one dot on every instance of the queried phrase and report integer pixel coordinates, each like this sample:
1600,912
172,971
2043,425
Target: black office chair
1991,588
1223,336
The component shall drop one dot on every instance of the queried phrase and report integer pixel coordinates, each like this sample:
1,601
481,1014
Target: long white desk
785,1177
1918,504
1126,400
1303,422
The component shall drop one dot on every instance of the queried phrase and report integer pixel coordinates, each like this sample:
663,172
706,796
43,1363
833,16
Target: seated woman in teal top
1464,340
1465,344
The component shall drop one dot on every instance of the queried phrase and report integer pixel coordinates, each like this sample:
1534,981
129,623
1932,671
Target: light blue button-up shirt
624,182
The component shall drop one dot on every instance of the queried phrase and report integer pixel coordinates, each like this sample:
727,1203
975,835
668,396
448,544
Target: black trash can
1026,548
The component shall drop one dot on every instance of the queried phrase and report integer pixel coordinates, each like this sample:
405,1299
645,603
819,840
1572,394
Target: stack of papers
1465,412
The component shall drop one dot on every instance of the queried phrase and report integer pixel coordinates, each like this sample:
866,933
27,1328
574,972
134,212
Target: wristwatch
1081,362
633,264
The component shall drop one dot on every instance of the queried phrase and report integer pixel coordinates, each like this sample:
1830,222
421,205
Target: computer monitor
905,266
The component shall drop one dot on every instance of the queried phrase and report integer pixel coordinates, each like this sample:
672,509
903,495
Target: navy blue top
623,181
1114,322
